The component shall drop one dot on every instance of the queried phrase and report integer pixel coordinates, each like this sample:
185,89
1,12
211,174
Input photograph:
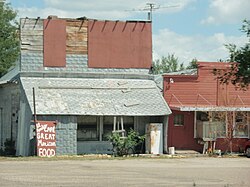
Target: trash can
171,150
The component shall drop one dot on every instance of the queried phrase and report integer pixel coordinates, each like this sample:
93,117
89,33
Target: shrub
125,145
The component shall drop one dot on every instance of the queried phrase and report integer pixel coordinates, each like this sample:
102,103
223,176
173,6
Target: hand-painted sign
46,138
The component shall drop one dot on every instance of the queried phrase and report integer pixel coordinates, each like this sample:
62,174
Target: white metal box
154,138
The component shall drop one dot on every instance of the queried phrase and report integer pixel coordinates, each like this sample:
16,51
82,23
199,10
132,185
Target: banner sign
46,138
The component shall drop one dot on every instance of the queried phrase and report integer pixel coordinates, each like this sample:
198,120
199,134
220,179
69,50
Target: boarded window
54,43
77,37
178,120
116,44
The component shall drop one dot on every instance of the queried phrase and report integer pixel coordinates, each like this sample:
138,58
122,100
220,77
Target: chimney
52,17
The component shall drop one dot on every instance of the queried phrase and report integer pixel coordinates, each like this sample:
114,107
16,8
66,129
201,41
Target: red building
206,112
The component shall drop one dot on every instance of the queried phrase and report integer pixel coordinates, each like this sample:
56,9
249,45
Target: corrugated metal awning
79,96
209,108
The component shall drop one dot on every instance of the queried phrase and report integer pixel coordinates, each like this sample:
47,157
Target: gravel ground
137,172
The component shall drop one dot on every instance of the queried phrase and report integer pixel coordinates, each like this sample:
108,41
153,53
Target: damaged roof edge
83,18
212,108
11,75
186,73
109,75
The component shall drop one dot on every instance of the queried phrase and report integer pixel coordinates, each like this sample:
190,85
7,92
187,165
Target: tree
239,73
193,64
167,64
9,44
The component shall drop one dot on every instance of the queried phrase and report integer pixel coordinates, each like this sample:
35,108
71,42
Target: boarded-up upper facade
87,75
82,45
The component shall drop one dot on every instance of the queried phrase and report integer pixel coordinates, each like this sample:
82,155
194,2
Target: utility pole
151,8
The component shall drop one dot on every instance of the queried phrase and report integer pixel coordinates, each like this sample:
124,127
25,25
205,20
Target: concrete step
185,152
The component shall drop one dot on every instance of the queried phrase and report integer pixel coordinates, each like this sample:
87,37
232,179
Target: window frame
182,120
244,122
80,127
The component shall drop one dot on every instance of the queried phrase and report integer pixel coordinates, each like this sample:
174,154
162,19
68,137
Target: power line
150,7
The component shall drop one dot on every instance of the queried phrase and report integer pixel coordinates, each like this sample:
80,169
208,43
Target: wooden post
34,105
114,128
35,119
122,126
100,128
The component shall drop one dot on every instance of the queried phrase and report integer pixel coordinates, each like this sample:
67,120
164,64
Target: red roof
204,91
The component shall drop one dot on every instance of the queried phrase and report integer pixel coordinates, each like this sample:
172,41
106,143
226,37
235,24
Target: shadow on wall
9,148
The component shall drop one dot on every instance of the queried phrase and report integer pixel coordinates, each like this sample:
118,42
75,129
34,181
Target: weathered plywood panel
73,37
28,33
76,44
78,50
31,35
117,44
77,36
54,43
32,48
31,24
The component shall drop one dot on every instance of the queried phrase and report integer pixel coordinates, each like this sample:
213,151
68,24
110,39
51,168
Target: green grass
103,157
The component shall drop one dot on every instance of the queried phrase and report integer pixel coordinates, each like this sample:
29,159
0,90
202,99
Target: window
92,128
202,116
178,119
218,120
211,124
107,127
241,124
108,124
87,128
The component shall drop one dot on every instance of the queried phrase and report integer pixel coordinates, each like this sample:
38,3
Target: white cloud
227,11
44,13
101,9
186,48
112,5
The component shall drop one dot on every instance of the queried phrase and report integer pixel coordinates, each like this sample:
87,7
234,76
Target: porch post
114,124
195,116
100,127
165,134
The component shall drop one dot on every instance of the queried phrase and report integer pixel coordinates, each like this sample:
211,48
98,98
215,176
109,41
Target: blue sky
188,28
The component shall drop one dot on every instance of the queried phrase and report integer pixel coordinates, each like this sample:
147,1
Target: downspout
217,93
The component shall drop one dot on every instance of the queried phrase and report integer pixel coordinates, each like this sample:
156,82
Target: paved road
222,172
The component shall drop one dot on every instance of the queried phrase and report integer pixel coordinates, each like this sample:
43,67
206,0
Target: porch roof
210,108
10,76
81,96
